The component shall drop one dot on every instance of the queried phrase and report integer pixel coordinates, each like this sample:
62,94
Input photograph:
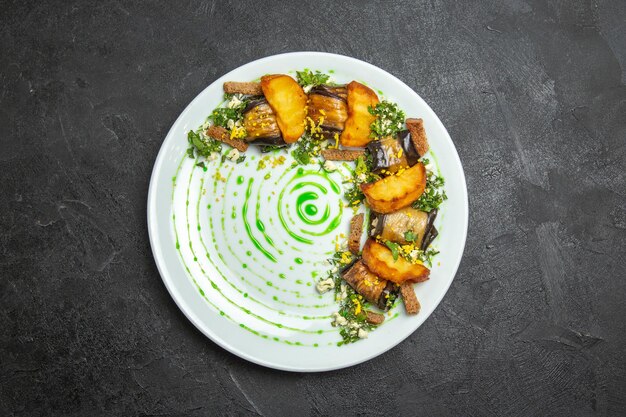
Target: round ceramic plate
241,246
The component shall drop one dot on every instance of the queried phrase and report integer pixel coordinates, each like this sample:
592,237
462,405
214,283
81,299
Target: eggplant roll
393,152
375,290
329,106
393,226
260,123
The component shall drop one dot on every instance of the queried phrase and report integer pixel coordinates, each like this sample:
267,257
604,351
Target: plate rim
156,248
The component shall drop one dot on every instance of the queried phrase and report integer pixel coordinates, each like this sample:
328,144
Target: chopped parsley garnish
362,173
409,236
305,149
190,153
389,120
433,195
241,159
271,148
233,111
307,78
204,145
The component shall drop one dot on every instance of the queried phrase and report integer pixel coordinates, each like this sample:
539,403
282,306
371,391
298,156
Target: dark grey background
532,93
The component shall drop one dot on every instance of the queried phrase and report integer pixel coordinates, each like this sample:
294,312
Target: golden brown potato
357,131
288,101
396,191
379,260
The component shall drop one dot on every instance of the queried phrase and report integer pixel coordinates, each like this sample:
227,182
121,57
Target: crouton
221,134
411,304
418,135
356,230
341,154
374,318
236,87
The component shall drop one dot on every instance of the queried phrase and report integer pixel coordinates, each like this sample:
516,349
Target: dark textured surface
533,94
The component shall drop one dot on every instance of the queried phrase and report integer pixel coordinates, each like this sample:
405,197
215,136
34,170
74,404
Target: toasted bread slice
409,298
221,134
341,154
418,135
374,318
248,88
356,230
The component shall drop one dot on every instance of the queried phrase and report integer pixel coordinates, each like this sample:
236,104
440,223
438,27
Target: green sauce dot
244,266
245,294
299,261
249,253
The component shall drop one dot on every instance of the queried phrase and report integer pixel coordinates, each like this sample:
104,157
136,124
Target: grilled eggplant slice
328,109
260,123
393,226
396,191
393,152
387,155
357,127
288,101
379,260
365,282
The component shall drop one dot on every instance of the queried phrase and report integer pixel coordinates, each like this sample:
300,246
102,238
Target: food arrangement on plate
394,190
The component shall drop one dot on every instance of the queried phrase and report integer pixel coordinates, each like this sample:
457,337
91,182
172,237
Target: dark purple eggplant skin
323,90
380,158
411,155
254,101
431,231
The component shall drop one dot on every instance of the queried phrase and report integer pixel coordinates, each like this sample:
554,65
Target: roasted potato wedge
379,260
396,191
288,101
357,131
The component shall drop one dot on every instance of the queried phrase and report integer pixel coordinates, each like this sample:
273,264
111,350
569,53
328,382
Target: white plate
260,303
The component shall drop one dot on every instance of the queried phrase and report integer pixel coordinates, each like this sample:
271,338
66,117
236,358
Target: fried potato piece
357,131
288,101
396,191
379,261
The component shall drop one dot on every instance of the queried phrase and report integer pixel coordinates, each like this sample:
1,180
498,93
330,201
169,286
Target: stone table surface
532,93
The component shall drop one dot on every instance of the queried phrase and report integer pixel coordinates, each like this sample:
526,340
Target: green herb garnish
389,120
203,144
241,159
433,195
305,149
308,78
409,236
394,247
